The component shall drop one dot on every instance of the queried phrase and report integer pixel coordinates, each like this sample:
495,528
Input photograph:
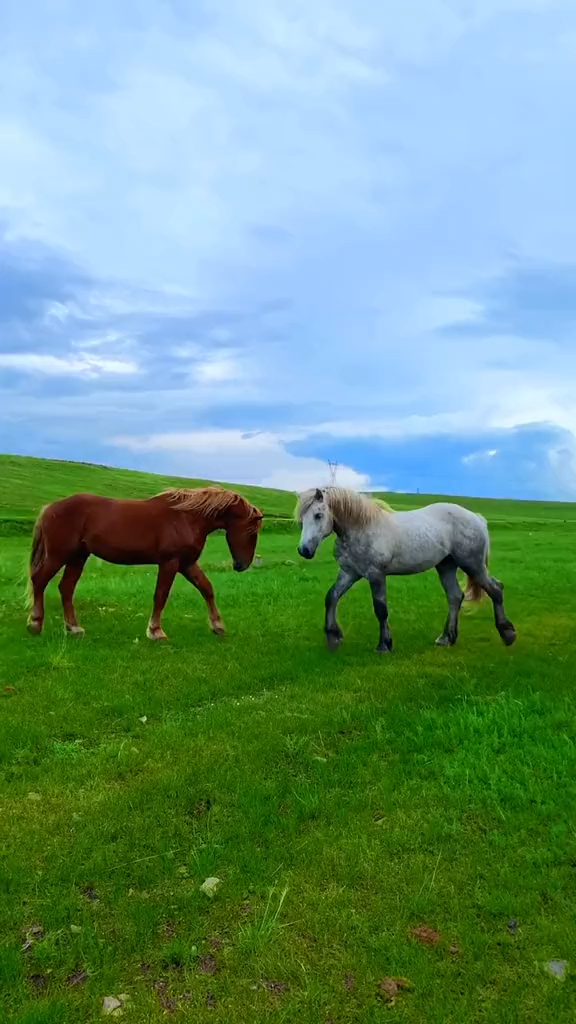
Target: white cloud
562,460
250,458
480,457
221,366
81,365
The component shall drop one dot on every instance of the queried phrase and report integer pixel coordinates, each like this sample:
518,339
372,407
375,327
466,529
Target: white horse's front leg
334,634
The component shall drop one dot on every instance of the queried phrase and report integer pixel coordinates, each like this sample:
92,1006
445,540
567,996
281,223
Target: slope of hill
26,484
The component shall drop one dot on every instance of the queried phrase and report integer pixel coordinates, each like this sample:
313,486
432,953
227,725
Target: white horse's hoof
443,641
508,635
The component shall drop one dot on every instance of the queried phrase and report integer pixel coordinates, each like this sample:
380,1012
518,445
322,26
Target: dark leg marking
447,573
495,590
334,634
378,588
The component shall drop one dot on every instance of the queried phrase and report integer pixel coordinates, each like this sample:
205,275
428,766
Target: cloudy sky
239,238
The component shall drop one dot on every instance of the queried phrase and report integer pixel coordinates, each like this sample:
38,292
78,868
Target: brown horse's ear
318,496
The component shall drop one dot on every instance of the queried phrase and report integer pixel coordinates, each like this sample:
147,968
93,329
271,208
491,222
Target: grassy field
343,800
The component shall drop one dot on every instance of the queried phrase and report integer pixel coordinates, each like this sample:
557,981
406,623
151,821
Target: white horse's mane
348,507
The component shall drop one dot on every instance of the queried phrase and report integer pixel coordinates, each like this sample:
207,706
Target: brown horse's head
222,510
242,522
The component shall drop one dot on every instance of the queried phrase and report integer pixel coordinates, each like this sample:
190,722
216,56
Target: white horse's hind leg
447,572
495,590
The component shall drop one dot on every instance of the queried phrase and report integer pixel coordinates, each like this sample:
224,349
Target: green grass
26,484
341,799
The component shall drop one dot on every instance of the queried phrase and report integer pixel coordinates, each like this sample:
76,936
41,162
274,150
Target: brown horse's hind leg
67,586
40,580
166,574
198,579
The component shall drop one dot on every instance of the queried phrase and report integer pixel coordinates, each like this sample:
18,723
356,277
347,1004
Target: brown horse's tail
37,556
38,552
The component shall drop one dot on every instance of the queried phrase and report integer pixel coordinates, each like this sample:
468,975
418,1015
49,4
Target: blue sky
238,239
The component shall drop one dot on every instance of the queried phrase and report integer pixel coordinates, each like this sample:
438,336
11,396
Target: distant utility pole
333,469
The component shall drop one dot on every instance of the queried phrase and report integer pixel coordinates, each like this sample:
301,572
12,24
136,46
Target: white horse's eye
318,515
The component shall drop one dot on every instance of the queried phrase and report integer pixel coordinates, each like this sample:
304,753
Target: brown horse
168,530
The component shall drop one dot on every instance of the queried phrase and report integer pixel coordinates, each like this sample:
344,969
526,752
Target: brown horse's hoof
75,631
218,628
156,634
34,627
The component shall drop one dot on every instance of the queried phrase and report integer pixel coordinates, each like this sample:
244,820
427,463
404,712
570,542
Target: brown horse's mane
208,501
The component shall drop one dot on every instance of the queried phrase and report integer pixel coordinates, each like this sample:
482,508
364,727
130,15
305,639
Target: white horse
374,542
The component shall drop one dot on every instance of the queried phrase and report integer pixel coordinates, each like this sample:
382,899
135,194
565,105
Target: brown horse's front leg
198,579
166,574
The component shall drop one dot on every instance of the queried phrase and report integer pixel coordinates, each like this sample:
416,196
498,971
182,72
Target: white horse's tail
474,592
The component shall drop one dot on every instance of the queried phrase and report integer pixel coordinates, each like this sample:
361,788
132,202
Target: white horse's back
419,539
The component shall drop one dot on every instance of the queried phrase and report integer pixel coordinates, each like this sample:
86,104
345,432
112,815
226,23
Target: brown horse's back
130,532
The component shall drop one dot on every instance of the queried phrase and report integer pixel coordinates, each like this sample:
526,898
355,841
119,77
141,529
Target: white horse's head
316,520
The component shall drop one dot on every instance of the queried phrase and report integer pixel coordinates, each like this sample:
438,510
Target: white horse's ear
318,496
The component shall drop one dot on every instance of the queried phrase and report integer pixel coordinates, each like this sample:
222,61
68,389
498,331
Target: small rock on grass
210,885
114,1005
557,968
